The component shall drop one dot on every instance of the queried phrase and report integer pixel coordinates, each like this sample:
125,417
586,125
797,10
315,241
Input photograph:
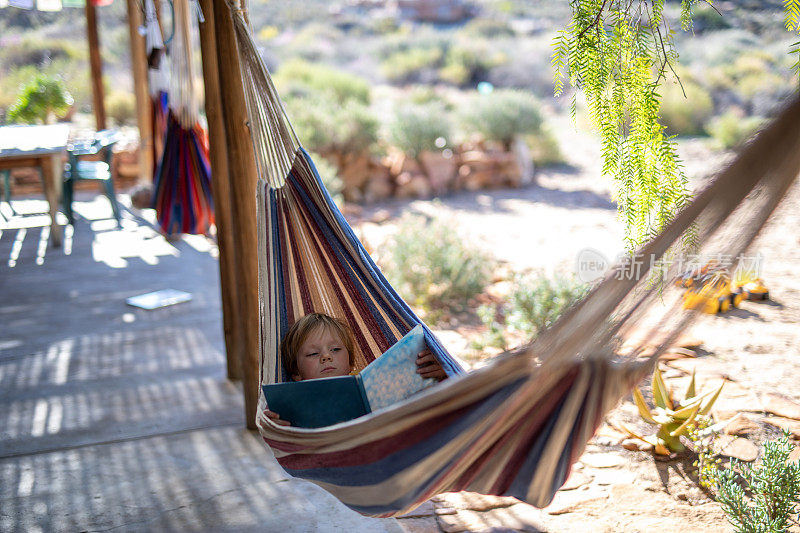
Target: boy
319,346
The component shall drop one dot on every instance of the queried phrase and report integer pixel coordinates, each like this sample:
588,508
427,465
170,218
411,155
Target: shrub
121,107
301,78
685,115
417,127
537,301
502,115
433,268
764,498
469,64
324,125
489,28
409,65
544,147
731,129
42,99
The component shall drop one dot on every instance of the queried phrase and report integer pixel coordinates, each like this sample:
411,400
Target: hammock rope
516,426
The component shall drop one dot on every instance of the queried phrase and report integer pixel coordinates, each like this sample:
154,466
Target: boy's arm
429,367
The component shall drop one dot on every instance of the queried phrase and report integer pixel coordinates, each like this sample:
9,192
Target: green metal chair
78,169
7,191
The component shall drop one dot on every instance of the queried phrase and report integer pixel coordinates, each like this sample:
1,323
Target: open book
314,403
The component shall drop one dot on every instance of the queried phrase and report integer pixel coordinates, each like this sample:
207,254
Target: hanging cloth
515,426
157,78
182,185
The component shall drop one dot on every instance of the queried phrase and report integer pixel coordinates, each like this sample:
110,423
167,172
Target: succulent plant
672,417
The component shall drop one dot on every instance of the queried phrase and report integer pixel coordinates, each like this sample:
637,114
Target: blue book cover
389,379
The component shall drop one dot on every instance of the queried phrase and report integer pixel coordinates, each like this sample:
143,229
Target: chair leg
7,189
66,196
112,197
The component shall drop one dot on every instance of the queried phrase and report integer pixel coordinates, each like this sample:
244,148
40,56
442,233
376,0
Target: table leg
52,177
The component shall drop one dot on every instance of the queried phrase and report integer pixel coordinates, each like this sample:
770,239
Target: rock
794,455
474,501
569,501
379,187
736,447
520,517
781,406
613,476
522,154
412,186
441,171
575,480
602,460
425,509
741,426
635,445
789,424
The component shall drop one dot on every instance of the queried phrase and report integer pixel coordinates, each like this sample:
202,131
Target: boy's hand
275,417
429,367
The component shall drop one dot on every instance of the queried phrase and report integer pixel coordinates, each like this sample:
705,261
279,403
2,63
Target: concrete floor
117,418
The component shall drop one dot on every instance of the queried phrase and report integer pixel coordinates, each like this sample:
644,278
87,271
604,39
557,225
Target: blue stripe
373,473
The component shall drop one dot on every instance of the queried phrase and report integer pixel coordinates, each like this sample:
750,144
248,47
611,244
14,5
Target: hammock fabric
516,426
182,185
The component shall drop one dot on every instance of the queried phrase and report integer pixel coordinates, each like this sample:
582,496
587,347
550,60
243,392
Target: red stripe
371,451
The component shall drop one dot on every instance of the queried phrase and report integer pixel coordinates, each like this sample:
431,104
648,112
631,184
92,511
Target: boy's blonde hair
300,330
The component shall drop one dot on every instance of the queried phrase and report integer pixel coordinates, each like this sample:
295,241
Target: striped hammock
516,426
182,183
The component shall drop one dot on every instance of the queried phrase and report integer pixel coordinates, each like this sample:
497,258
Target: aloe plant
672,417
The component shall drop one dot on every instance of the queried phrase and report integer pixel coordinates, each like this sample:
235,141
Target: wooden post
220,188
144,114
242,168
96,65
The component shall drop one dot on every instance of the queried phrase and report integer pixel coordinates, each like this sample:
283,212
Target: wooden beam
144,113
242,168
96,65
221,190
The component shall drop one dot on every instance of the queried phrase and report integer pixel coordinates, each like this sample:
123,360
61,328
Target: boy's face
322,355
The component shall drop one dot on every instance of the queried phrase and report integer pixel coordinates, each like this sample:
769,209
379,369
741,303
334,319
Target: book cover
317,403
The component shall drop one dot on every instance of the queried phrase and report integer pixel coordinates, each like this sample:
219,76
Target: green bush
417,127
301,78
502,115
469,64
407,65
41,100
537,301
761,498
544,147
488,28
433,268
731,129
324,125
685,115
121,107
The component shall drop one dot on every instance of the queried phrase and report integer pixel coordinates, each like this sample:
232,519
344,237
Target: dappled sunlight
26,235
105,387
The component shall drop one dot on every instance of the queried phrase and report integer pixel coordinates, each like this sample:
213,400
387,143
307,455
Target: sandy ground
755,347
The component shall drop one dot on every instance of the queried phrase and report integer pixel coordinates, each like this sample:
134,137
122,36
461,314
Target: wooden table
42,147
